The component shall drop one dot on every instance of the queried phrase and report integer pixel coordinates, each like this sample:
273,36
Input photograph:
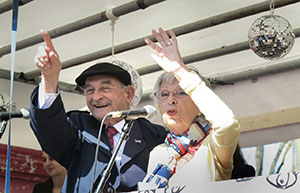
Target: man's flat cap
104,68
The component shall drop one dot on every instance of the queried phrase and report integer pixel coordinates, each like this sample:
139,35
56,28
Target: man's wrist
49,87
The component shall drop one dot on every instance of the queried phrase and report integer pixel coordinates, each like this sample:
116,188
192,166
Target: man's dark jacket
71,138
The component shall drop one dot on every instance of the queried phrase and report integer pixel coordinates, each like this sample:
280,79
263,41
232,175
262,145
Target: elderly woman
203,130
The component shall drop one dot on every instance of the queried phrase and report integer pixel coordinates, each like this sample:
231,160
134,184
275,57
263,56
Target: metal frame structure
33,77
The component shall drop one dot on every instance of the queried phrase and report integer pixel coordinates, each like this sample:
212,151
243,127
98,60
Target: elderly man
71,138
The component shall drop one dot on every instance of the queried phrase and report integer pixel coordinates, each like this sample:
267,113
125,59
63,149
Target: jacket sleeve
153,134
53,130
225,128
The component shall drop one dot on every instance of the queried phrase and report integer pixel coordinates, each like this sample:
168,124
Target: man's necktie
111,132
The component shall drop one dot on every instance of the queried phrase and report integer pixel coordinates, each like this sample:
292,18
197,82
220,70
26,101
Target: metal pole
82,23
7,5
155,67
281,67
229,78
241,46
255,72
195,26
245,74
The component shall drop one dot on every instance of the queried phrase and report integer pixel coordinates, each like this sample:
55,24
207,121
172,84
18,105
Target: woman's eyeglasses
164,94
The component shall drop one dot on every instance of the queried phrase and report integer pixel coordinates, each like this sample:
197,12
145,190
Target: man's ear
130,93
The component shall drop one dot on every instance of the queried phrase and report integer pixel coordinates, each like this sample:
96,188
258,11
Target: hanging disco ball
271,37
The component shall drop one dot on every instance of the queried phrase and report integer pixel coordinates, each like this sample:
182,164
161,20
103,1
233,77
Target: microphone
147,111
22,113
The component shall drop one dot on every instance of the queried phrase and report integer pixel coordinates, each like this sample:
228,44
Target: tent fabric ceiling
212,37
42,14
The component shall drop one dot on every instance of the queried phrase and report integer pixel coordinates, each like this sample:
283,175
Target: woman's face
52,167
177,108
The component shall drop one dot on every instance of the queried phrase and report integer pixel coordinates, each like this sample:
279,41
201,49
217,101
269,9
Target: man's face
105,94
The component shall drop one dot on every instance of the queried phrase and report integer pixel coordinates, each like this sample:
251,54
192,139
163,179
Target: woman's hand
168,55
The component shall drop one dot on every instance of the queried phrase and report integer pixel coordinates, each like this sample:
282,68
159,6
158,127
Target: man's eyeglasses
164,94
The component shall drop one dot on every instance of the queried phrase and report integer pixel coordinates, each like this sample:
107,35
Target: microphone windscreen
150,110
25,112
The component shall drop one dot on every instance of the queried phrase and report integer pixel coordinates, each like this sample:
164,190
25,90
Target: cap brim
104,69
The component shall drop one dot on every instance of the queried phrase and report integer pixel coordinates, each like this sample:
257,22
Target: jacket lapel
91,136
134,145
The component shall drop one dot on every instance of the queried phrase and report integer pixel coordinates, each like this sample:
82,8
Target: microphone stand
2,128
106,173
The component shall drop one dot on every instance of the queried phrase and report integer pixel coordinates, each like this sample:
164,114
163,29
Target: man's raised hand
47,60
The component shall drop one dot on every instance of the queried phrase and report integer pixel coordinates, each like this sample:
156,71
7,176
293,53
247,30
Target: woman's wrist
180,73
190,81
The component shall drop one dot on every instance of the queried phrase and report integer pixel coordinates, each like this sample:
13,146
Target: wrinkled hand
168,55
47,60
